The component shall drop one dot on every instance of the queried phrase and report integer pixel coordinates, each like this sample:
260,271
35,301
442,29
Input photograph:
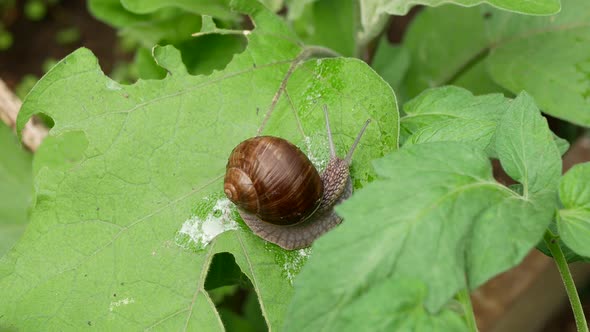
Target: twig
34,132
305,54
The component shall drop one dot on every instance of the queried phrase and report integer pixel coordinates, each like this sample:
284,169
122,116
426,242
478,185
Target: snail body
279,193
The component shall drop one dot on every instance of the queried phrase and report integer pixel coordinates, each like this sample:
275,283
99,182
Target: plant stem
552,242
466,66
465,300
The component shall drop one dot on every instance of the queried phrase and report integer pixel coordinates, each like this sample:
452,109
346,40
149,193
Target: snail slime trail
280,194
212,217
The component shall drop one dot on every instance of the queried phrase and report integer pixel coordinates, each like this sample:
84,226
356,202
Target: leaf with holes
170,23
129,211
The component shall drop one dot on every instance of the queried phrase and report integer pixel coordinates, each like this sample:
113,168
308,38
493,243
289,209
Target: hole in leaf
44,119
207,53
233,295
201,56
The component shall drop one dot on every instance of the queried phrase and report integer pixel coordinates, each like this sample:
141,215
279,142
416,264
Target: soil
34,42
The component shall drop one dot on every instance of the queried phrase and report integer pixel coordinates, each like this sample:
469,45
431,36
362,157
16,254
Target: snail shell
279,193
272,178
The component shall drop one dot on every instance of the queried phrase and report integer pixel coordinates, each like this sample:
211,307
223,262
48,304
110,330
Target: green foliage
35,10
124,167
67,36
25,85
573,221
5,39
130,229
373,12
172,23
16,189
546,56
437,51
444,218
330,23
391,63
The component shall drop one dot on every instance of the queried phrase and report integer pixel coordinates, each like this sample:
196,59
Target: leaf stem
465,300
552,242
470,63
306,53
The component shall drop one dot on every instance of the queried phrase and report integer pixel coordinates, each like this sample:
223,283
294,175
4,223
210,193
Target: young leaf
568,253
16,188
526,149
453,114
119,233
573,220
435,215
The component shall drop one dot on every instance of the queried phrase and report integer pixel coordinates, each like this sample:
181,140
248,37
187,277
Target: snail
279,193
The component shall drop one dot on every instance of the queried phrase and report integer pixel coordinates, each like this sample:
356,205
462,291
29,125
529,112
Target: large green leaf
450,113
372,11
573,221
437,215
442,42
400,308
476,79
16,188
547,57
543,55
391,62
218,8
128,185
330,23
169,23
453,114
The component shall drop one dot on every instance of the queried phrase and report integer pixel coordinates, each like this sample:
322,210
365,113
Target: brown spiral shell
274,180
